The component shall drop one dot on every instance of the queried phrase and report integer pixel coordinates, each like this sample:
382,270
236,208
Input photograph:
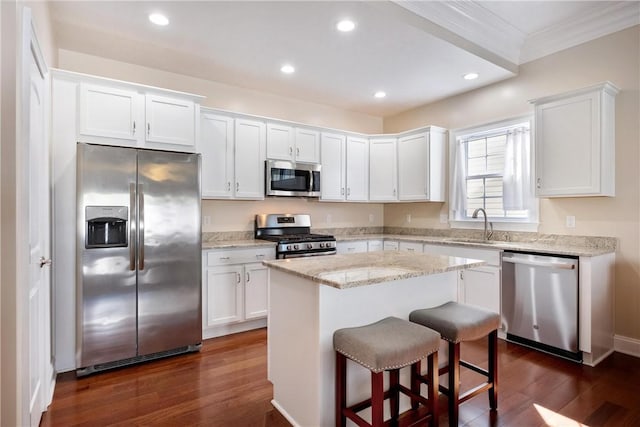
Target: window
492,170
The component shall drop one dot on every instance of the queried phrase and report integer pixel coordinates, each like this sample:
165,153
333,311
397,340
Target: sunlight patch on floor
553,419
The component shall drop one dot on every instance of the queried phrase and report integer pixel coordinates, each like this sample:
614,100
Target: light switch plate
408,218
371,217
444,218
329,218
206,220
571,221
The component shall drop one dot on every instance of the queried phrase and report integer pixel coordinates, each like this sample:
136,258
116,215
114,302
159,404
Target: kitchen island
310,298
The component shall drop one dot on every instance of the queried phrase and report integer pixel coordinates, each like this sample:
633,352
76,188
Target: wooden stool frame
378,395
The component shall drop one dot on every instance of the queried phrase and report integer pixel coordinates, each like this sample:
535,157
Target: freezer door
170,251
106,276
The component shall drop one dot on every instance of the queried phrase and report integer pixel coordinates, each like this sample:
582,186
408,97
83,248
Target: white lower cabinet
479,286
390,245
375,245
235,290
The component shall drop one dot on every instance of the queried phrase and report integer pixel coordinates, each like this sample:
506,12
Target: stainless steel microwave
284,178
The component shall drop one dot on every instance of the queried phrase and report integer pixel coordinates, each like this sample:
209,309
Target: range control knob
288,247
329,244
309,246
322,245
296,247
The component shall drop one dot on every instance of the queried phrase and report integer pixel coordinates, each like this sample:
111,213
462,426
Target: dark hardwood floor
226,385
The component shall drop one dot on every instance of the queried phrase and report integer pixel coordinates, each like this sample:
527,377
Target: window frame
531,223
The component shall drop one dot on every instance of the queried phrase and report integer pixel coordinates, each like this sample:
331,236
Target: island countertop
361,269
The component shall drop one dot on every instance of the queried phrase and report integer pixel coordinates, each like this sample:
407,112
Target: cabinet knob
290,151
248,277
238,277
148,128
134,128
538,183
237,187
342,191
228,185
297,152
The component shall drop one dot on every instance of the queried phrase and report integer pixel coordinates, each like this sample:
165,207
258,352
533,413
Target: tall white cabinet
575,142
345,168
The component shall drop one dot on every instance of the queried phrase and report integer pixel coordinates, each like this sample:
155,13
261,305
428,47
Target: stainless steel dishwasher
540,302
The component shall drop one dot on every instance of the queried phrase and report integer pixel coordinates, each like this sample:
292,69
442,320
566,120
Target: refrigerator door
169,251
106,277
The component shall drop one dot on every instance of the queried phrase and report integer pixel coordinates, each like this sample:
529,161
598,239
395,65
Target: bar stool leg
432,387
415,382
377,399
454,382
493,369
341,389
394,394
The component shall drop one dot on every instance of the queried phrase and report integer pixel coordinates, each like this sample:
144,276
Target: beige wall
614,58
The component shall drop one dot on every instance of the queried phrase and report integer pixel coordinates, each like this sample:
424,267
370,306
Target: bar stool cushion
390,343
457,322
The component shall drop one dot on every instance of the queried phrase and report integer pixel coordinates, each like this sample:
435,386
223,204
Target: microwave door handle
311,186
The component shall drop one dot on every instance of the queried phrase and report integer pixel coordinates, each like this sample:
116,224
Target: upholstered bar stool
387,345
457,323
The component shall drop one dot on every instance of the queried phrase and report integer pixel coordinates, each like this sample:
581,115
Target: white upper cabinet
307,145
575,143
216,144
249,159
383,176
332,175
357,172
291,143
113,113
118,113
421,165
169,121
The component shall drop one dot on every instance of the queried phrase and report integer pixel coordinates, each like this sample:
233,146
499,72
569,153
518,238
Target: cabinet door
249,159
332,176
390,245
224,295
383,169
307,144
170,121
413,167
480,286
216,146
109,113
256,291
280,140
357,172
375,245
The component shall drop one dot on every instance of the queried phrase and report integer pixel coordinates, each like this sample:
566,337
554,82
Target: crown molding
473,22
598,23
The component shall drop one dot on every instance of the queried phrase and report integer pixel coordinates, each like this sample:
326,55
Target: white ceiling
416,51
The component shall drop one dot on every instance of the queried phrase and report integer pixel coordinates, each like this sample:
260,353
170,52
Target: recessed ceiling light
470,76
287,69
346,25
159,19
380,94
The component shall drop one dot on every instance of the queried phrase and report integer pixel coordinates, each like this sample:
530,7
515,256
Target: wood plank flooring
226,385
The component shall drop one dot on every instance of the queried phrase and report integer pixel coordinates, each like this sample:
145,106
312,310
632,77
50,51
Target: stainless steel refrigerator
138,255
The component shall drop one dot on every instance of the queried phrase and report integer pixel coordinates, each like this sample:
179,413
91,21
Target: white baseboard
284,413
626,345
233,328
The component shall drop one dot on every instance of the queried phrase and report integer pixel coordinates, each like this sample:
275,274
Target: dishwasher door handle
549,264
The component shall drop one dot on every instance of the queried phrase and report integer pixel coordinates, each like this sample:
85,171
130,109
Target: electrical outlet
371,218
571,221
329,218
444,218
408,218
207,219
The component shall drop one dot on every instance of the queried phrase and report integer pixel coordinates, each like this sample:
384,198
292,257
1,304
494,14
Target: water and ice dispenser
106,226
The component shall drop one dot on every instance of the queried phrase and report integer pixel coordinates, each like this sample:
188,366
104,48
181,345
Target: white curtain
516,192
459,184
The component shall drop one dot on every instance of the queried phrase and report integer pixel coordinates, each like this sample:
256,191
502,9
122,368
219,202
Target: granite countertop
235,244
529,242
565,245
361,269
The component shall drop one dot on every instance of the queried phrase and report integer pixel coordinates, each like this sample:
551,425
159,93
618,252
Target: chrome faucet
486,235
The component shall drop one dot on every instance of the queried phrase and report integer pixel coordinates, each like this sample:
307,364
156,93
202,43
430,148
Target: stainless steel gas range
292,233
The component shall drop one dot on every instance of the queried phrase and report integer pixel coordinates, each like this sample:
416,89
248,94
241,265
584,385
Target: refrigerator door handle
132,226
140,227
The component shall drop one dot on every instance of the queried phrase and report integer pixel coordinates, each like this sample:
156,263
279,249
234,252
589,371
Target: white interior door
39,342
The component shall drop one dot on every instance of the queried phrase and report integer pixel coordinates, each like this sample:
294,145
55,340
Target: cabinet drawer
239,256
